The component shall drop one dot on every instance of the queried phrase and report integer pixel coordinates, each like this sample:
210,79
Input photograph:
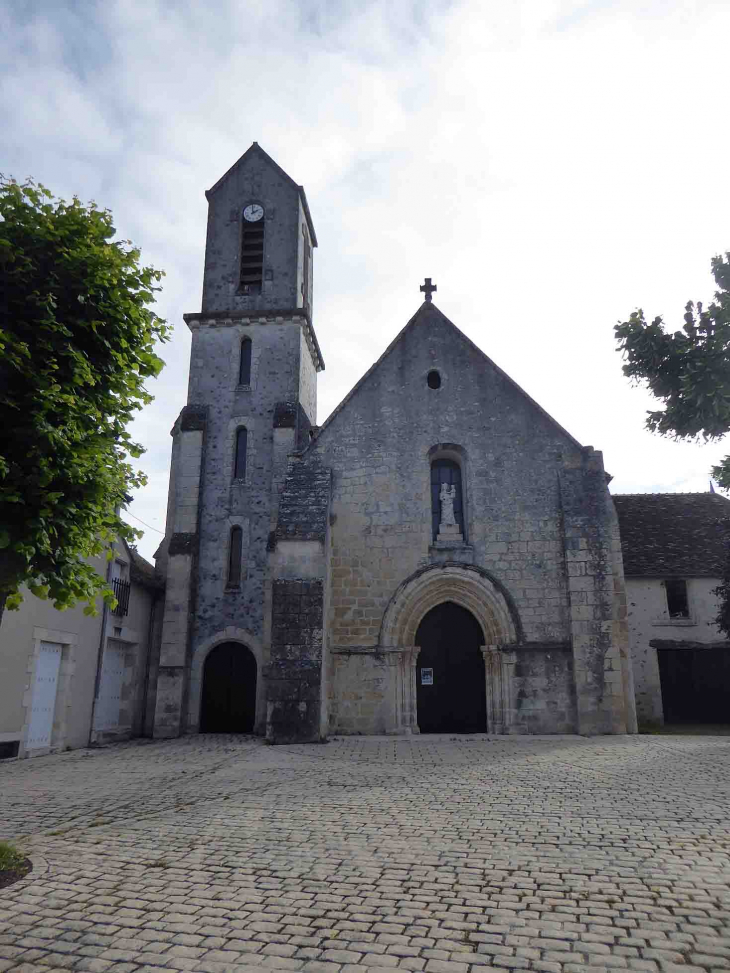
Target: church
440,555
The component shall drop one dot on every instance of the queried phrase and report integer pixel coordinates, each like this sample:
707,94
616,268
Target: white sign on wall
427,677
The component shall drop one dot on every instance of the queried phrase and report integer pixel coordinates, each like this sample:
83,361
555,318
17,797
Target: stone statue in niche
449,533
447,497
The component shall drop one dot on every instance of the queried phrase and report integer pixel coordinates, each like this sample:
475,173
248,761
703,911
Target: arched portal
482,597
450,686
465,585
228,701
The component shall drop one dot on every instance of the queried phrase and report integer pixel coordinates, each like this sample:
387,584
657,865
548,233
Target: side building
68,680
675,553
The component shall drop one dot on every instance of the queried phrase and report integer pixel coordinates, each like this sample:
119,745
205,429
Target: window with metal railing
121,590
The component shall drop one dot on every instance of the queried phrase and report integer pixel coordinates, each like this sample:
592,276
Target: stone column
495,688
407,717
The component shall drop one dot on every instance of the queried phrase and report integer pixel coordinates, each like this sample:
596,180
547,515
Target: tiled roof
668,535
143,572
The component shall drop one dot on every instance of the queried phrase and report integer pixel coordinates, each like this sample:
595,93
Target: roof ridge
678,493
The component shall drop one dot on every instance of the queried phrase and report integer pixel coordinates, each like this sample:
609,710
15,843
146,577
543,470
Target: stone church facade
439,555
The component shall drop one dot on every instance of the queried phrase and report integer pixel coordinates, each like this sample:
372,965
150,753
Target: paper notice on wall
427,677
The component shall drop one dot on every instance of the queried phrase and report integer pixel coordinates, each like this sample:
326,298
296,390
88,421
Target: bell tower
258,253
252,399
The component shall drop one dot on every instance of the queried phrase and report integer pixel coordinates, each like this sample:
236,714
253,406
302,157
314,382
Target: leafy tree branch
77,338
688,370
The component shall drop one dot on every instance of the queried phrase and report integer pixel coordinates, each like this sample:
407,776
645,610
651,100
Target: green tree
77,337
689,370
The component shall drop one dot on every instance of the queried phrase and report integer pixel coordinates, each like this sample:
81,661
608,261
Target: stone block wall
209,501
598,622
541,688
364,696
294,674
299,563
648,620
182,543
523,526
379,447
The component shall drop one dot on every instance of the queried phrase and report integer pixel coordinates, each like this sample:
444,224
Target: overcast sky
551,164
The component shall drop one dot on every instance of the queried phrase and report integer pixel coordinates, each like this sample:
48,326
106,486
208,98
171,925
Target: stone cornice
227,319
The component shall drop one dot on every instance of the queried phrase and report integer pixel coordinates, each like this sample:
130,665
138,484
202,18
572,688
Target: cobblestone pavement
447,855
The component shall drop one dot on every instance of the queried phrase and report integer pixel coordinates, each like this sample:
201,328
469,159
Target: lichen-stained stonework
276,405
539,525
349,541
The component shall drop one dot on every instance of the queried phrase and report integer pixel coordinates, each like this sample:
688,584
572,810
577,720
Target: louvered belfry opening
252,256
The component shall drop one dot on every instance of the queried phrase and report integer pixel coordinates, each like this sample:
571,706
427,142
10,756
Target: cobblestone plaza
442,854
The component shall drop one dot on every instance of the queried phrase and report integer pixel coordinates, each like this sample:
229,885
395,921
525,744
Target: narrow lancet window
305,268
239,466
244,370
448,472
234,558
252,249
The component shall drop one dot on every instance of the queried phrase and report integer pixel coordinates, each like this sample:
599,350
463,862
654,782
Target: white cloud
551,165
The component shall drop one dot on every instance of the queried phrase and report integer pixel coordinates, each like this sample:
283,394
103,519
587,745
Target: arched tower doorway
228,700
450,686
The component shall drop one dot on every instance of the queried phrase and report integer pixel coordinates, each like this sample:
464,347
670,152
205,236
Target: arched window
234,557
252,249
239,466
244,368
446,471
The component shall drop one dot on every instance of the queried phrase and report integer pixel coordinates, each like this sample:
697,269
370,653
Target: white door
110,687
43,702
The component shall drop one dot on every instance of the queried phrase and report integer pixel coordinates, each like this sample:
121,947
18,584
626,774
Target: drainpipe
100,653
150,635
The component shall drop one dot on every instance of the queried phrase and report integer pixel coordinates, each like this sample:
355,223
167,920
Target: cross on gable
428,288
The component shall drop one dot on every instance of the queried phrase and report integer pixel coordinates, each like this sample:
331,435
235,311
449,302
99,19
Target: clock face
253,212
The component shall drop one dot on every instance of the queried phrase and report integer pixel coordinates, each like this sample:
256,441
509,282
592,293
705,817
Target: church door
450,679
228,703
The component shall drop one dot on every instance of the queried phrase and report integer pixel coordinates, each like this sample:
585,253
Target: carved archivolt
465,586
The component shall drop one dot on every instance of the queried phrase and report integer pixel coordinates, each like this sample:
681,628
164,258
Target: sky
552,165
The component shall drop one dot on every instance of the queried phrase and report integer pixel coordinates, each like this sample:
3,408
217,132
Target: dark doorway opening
228,703
450,682
695,685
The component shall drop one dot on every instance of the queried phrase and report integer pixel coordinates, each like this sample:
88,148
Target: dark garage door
695,685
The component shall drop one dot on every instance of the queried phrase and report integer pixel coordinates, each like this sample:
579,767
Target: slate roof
665,535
